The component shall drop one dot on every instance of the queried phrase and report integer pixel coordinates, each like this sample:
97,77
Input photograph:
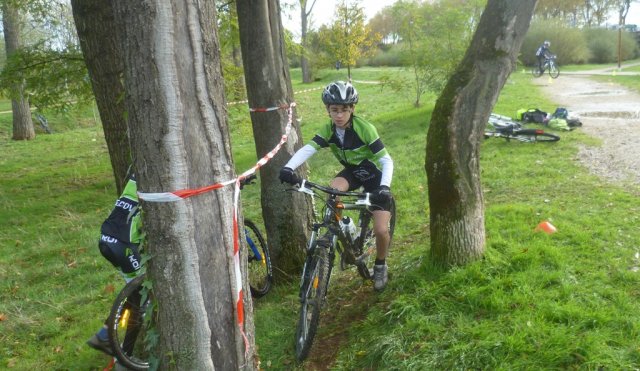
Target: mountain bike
549,65
507,129
356,246
132,314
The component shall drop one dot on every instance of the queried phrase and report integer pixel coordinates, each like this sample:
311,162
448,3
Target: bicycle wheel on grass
534,135
259,268
128,323
312,293
365,262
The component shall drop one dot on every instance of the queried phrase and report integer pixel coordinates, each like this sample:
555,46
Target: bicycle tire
535,71
554,71
312,294
259,267
534,135
127,327
365,262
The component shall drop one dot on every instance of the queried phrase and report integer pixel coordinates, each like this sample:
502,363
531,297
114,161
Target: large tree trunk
286,214
179,138
22,123
95,24
456,130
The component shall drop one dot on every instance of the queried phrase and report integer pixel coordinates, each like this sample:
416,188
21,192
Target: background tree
349,38
286,214
456,203
176,116
95,24
12,21
304,24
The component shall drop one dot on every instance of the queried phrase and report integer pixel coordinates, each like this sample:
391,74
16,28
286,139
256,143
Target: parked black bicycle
133,313
501,127
336,231
549,65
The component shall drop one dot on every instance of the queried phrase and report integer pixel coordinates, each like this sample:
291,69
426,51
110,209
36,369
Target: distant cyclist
543,53
121,235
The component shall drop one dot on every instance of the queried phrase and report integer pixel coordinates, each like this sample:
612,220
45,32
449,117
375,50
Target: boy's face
340,114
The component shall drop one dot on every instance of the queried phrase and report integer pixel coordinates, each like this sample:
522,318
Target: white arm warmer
301,156
387,170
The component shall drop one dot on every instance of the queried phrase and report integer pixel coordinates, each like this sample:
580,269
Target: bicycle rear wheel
128,324
312,292
534,135
535,71
259,268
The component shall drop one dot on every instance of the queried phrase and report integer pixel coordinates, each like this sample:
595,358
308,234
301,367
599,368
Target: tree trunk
304,62
456,130
179,138
22,123
95,24
286,214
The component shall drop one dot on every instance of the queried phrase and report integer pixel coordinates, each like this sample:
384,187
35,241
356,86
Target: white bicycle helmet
340,92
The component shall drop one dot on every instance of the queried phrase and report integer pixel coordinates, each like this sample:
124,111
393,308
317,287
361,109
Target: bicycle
131,319
355,245
549,65
507,129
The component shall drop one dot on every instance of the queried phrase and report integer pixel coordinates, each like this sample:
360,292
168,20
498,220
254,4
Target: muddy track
609,112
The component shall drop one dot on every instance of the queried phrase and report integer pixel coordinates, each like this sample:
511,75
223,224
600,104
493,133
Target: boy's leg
383,238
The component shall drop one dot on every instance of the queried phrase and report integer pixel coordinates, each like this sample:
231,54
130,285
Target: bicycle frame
330,220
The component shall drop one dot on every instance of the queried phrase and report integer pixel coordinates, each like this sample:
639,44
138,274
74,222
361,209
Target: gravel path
607,111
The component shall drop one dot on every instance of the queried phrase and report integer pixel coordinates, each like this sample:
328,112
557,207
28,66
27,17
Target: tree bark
287,215
95,24
457,124
304,24
179,135
22,123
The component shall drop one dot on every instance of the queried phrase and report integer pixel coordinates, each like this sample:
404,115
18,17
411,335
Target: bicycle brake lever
365,201
303,189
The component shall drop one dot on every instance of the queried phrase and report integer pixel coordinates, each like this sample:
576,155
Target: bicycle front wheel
128,324
312,294
534,135
259,268
554,71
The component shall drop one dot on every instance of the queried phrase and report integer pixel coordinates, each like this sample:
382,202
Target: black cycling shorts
366,177
124,256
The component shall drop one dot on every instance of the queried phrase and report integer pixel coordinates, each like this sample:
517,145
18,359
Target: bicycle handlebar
306,186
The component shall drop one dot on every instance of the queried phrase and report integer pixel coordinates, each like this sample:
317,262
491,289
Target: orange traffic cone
545,227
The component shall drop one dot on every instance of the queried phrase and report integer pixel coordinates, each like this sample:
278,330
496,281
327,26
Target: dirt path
609,112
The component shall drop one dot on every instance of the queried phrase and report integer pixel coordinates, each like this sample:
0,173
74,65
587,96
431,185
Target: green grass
562,301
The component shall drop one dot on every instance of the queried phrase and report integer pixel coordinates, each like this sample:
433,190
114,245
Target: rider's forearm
301,156
387,170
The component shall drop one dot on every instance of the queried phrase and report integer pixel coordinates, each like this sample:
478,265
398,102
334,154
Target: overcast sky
324,11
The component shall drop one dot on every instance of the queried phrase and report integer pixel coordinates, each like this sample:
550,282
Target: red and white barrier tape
185,193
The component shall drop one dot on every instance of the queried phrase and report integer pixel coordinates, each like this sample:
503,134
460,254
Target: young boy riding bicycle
356,145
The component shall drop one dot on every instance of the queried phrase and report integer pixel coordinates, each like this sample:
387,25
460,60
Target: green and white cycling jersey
359,145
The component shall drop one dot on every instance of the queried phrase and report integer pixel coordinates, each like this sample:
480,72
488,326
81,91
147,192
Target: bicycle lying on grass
549,65
133,314
503,127
356,246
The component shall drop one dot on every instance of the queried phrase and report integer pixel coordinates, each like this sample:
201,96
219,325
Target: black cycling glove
288,176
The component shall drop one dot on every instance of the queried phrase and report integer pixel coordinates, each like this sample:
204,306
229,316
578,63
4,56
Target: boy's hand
288,176
382,194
